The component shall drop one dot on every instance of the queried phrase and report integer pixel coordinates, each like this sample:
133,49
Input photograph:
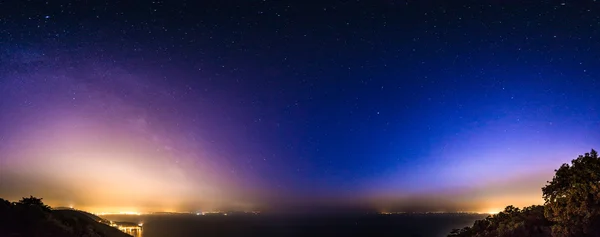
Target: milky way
99,135
276,106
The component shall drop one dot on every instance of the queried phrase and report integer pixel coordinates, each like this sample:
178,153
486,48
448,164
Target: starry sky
287,105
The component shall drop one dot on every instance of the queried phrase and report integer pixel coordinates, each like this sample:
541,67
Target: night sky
281,105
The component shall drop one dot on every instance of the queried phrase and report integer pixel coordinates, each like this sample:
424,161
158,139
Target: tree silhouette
571,207
572,198
33,201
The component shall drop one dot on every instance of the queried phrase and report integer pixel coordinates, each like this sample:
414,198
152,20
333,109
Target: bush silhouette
514,222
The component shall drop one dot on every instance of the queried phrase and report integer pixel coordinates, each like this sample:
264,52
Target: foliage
571,208
572,198
34,202
513,222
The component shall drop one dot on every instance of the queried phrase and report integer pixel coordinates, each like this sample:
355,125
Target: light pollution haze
104,139
273,106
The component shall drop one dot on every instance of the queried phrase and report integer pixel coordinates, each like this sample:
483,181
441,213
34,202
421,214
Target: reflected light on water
133,231
128,228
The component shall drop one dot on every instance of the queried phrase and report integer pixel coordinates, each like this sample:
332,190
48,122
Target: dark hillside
30,217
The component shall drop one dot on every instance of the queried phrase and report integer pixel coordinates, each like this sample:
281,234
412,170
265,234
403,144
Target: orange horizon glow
102,168
99,167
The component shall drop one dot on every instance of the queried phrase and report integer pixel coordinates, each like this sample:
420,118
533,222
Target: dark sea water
317,225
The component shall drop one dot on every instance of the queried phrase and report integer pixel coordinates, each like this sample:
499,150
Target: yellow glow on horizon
117,170
493,212
118,213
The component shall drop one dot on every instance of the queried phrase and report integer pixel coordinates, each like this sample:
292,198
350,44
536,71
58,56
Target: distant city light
118,213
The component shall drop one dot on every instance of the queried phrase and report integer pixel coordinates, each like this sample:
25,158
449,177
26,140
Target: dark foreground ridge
31,217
